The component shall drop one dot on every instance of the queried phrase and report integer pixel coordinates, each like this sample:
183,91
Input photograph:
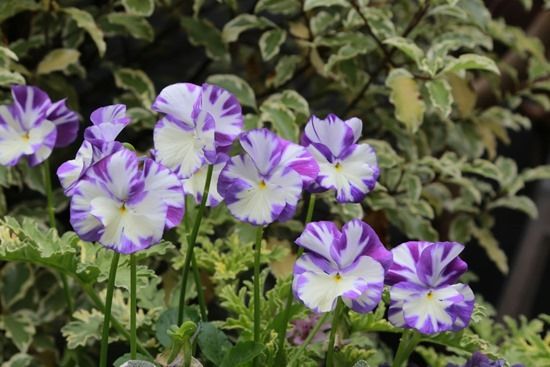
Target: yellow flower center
26,137
262,185
429,295
122,209
338,166
337,277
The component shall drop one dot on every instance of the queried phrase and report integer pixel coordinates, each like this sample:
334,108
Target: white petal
178,100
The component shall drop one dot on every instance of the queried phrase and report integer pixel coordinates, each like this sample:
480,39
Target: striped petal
108,122
331,132
71,171
300,160
405,258
321,238
32,104
254,198
463,310
178,100
66,122
226,112
13,141
84,223
194,185
371,273
320,285
42,138
161,183
181,148
440,265
264,147
359,239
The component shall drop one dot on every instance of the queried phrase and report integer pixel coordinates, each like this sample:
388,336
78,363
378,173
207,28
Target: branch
387,59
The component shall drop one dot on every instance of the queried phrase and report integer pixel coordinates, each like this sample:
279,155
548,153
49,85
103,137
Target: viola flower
32,126
350,264
424,293
99,142
479,359
200,125
265,183
125,202
345,166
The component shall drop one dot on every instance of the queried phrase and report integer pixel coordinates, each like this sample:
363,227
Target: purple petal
66,122
226,111
178,100
321,238
439,264
32,104
405,258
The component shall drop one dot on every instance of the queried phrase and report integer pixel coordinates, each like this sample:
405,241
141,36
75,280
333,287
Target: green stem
133,307
107,313
409,341
191,240
257,253
53,224
309,338
200,290
281,335
334,327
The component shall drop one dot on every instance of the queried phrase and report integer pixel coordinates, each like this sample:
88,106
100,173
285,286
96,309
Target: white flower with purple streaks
424,295
265,183
98,143
194,185
350,264
32,126
125,203
200,125
345,166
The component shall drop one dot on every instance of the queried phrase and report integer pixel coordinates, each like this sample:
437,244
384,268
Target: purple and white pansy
33,125
349,168
200,124
99,142
424,293
125,202
349,264
194,185
265,183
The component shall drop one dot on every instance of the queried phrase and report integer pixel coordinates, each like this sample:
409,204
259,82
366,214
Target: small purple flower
350,264
424,295
345,166
200,125
479,359
125,202
265,183
99,142
32,126
301,328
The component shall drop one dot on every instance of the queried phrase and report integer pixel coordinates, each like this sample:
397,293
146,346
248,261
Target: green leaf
135,25
460,229
85,21
284,70
127,361
84,329
441,96
281,118
522,203
284,7
408,47
483,168
9,77
57,60
312,4
243,23
139,7
137,82
19,327
9,8
213,342
471,61
20,360
270,43
405,96
490,244
242,353
16,279
6,53
203,33
234,84
537,173
294,101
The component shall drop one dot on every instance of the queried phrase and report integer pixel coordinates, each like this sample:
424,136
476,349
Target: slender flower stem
107,312
286,318
133,307
309,338
257,253
408,342
200,290
53,224
334,327
191,240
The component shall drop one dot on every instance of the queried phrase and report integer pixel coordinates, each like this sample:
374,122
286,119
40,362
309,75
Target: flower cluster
33,125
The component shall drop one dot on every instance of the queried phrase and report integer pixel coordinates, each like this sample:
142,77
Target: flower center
338,166
26,137
122,209
337,277
429,295
262,185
